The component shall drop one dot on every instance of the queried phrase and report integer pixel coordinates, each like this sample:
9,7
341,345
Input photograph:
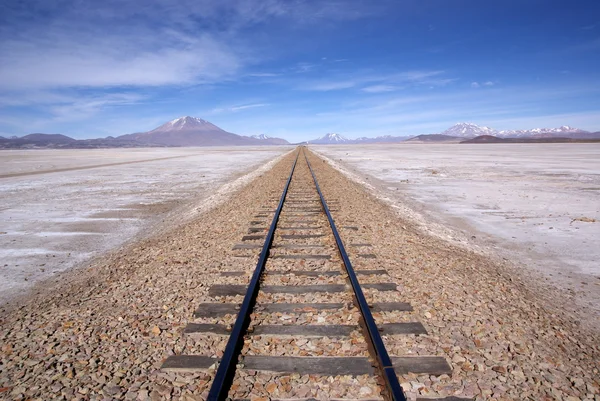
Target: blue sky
298,68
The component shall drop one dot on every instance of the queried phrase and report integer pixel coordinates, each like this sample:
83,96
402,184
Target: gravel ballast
102,332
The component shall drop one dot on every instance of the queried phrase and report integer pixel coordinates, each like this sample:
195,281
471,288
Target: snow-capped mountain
381,139
467,130
269,140
262,137
330,139
470,130
339,139
192,131
564,131
189,131
186,123
463,131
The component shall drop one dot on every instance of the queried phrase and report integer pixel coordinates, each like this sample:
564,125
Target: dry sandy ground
102,333
59,208
537,205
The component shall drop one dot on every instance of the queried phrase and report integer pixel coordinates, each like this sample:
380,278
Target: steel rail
219,389
384,363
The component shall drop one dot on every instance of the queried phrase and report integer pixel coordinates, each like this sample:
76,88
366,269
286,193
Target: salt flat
59,208
536,204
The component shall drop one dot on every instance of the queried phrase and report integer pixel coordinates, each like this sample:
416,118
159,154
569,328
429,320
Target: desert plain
62,208
535,205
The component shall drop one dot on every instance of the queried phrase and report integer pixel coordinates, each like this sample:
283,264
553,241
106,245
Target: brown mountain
191,131
47,139
435,138
495,139
37,141
269,140
58,141
485,139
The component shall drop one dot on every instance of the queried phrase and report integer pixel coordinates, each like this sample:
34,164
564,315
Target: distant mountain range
469,130
183,131
461,131
53,141
330,139
191,131
495,139
271,140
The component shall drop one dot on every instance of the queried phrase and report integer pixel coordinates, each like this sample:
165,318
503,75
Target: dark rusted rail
384,363
226,370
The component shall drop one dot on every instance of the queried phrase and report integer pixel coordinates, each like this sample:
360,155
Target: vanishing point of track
299,248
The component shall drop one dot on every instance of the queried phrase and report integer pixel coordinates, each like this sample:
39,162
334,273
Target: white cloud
84,107
52,111
476,85
89,43
416,75
263,74
587,120
379,88
303,67
62,60
376,83
249,106
233,109
325,86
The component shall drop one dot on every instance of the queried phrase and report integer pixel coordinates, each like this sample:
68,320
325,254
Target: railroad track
306,326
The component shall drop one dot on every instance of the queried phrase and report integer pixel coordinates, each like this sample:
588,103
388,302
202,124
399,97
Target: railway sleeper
302,221
297,246
222,309
327,366
300,256
301,236
236,289
415,328
316,273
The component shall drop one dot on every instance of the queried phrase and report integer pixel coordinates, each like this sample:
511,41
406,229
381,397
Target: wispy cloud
379,88
501,108
476,85
587,120
233,109
84,107
416,75
303,67
373,83
325,86
87,43
263,74
249,106
61,60
50,109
